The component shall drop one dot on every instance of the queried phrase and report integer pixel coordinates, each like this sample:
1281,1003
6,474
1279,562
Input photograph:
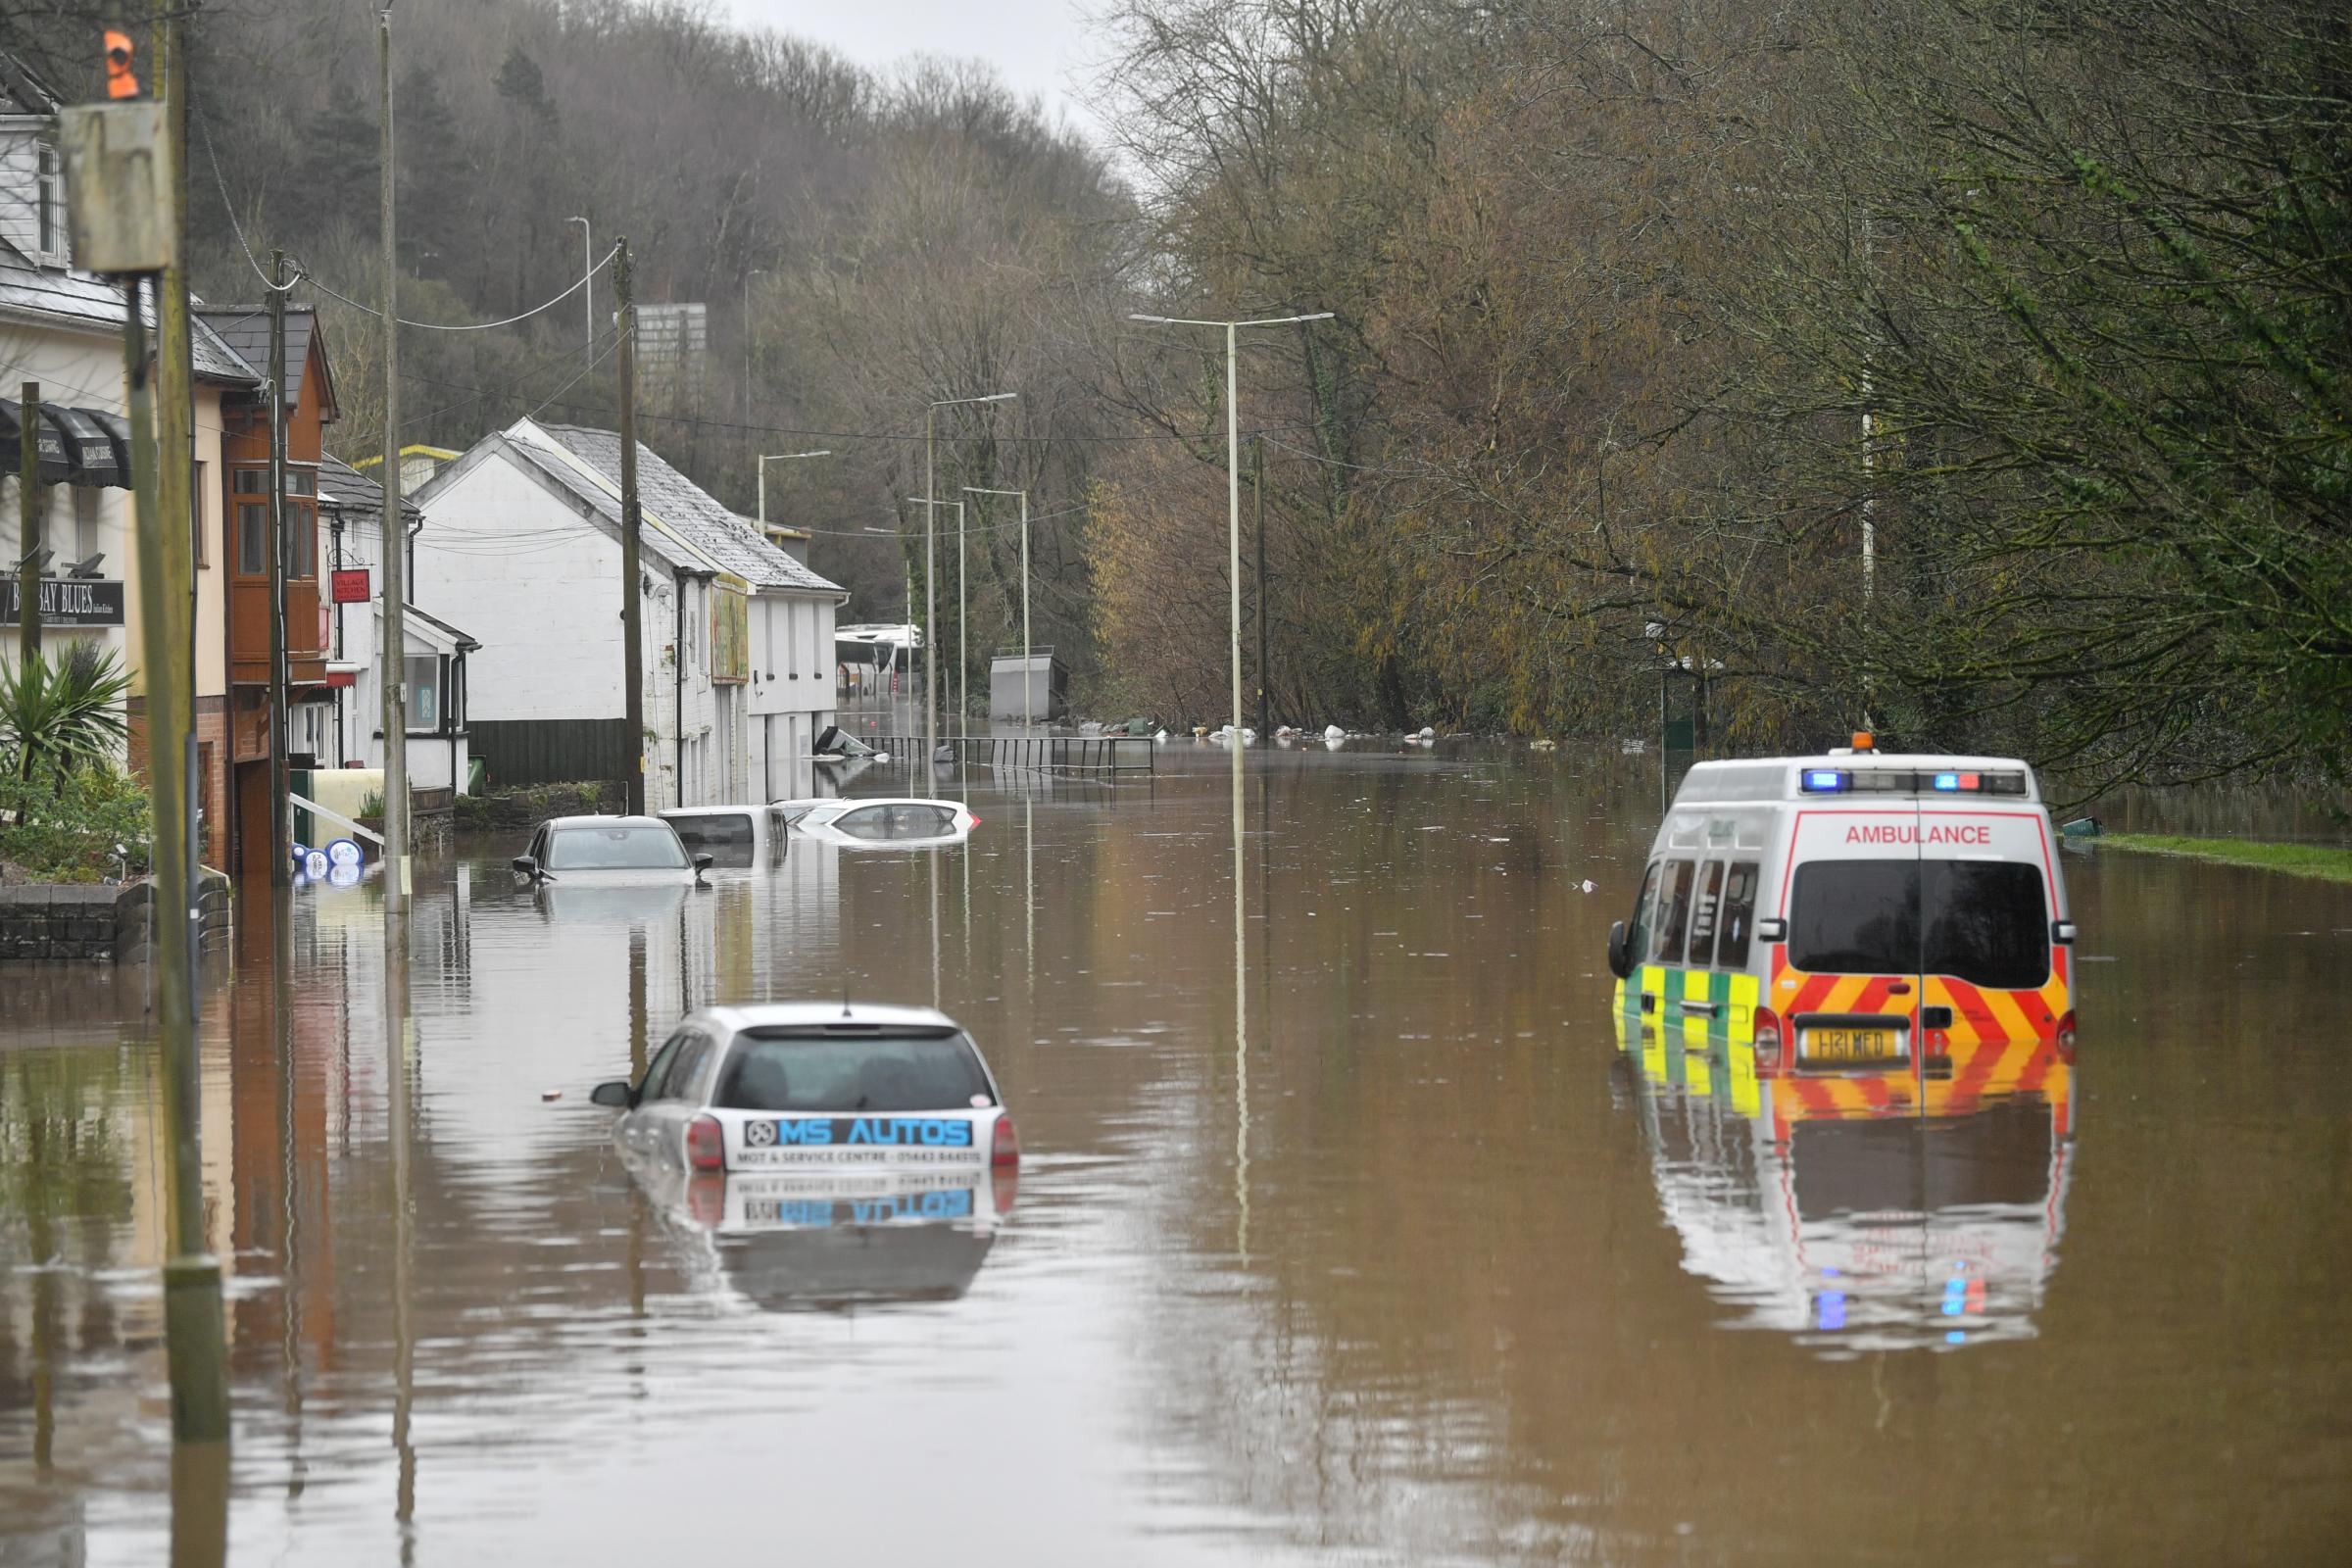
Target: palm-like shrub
63,713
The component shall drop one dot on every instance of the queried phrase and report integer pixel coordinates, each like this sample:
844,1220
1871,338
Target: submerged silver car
809,1086
607,848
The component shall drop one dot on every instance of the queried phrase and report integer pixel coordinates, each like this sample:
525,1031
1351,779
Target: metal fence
1072,754
551,750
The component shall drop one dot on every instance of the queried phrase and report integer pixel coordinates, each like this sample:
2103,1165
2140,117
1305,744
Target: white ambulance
1851,911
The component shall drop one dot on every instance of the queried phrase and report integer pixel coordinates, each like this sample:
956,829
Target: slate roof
21,90
245,329
551,470
670,501
96,304
343,489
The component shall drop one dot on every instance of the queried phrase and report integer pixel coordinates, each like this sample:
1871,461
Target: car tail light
706,1144
1006,1148
971,821
1768,1039
2066,1034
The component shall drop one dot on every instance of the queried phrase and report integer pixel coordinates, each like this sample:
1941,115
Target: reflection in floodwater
1864,1211
1346,1231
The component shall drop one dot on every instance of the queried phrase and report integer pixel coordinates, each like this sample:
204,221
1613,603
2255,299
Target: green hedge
54,830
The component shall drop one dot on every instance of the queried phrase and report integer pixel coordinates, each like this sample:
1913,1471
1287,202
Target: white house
349,729
521,544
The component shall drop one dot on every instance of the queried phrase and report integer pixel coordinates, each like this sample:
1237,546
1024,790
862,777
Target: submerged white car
872,819
810,1087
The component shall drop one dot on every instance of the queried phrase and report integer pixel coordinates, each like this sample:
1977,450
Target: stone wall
96,923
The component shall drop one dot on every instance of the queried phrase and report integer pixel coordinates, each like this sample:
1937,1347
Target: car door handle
1704,1009
1650,1002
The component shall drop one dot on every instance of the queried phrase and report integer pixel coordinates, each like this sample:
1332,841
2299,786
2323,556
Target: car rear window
633,848
727,837
885,822
1982,921
842,1075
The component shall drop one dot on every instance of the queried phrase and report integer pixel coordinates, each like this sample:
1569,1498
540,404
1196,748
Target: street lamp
751,337
930,571
588,271
1233,496
927,504
777,457
1028,692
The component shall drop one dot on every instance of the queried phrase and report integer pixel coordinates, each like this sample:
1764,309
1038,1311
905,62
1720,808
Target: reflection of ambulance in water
1919,1206
1856,910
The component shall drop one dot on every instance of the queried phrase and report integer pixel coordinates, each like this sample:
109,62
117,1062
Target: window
1986,923
1702,914
792,640
1646,907
728,836
1674,912
683,1079
613,849
1739,914
196,552
1855,917
872,822
650,1087
424,692
253,521
52,203
933,1072
85,522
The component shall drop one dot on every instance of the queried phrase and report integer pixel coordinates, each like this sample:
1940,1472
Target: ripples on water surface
1424,1267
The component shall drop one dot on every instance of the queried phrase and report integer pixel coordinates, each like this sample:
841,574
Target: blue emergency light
1947,781
1824,781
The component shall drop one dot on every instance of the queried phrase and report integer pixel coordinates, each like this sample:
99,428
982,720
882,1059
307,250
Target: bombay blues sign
66,602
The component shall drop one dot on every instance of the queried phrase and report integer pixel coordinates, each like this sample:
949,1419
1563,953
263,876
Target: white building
348,730
521,544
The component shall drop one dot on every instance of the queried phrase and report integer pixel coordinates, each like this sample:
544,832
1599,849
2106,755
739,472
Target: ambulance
1851,913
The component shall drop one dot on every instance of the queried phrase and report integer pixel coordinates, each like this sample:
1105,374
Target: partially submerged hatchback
813,1087
608,848
1853,911
905,821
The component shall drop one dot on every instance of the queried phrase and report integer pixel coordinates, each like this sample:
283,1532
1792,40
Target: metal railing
1070,753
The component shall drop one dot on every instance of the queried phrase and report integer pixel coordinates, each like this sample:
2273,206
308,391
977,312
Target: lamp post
1233,494
930,571
778,457
1028,692
587,270
926,503
751,337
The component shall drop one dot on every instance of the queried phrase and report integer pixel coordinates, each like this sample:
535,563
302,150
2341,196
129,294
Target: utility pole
32,501
281,869
632,602
1257,490
163,474
930,616
392,660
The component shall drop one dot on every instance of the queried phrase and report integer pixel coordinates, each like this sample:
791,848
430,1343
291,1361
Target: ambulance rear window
1855,917
1986,923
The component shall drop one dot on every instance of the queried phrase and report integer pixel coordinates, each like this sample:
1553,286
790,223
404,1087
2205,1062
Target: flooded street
1368,1241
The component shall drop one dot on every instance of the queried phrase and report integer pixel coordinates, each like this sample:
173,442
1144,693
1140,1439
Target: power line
577,284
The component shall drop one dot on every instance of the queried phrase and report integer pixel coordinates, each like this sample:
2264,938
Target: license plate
1851,1044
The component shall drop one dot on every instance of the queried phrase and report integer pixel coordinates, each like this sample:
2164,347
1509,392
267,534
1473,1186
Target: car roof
799,1014
719,811
875,799
602,821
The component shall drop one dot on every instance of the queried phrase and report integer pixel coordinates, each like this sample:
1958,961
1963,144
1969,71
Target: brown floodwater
1366,1240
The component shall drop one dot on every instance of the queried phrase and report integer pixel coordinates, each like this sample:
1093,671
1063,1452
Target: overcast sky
1039,46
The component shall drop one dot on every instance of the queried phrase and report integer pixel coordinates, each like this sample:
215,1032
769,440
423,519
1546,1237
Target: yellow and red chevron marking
1978,1015
1978,1074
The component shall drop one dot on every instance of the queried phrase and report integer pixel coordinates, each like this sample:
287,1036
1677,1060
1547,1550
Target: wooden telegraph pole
281,868
125,205
391,664
31,495
632,602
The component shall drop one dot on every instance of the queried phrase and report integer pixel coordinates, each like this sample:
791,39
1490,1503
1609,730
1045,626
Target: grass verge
2295,860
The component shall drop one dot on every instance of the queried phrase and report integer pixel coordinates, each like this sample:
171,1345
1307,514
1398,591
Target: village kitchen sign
66,602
